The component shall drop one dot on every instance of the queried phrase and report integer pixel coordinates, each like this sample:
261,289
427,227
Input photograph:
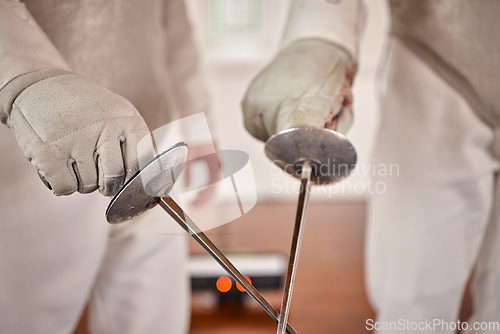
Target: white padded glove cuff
79,135
307,84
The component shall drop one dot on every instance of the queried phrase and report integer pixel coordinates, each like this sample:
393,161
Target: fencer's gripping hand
79,135
307,84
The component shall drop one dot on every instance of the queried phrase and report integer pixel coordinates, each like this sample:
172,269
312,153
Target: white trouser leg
486,279
50,248
57,252
143,284
425,231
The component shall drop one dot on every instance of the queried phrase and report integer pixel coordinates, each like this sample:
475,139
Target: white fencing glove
307,84
79,135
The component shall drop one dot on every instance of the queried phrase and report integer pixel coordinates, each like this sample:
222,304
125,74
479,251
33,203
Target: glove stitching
33,160
7,85
15,107
91,124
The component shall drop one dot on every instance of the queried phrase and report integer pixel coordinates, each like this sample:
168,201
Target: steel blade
176,212
295,248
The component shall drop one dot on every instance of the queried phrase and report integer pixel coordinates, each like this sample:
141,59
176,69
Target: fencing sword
313,155
174,210
149,187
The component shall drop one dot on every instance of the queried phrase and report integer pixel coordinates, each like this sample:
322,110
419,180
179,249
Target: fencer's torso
121,45
459,40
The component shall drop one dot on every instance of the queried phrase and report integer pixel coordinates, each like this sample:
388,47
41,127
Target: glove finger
85,170
259,116
302,112
110,165
137,149
61,180
44,180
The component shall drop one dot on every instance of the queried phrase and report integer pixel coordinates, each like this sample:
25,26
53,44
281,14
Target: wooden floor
329,295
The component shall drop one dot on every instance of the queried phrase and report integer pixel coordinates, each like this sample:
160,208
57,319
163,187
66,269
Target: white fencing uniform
426,231
439,125
438,222
57,253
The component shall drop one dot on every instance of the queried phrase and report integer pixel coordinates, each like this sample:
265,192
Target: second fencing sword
175,211
314,155
298,231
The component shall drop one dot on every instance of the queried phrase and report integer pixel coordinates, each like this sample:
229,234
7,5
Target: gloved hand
307,84
79,135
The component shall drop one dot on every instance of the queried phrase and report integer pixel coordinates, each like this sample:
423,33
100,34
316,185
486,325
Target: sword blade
295,248
175,211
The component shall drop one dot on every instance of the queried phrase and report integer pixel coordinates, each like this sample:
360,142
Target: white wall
232,61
